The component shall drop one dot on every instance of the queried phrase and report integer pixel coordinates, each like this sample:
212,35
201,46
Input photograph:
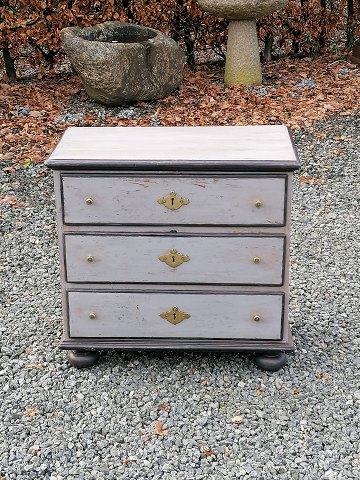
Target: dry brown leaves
207,452
31,412
313,180
165,408
201,100
127,461
237,420
37,366
159,429
297,392
12,201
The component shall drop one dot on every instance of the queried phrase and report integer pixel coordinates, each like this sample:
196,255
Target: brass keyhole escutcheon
173,258
173,201
174,316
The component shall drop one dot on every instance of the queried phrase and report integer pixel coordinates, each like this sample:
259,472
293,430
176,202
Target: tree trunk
9,63
269,41
350,25
189,41
322,40
176,21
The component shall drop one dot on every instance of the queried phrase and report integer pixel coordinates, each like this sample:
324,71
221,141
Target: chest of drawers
175,238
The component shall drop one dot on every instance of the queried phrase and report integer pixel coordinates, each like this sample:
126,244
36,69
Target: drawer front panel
150,258
118,200
123,314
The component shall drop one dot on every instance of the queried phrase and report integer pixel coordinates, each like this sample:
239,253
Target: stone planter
121,63
242,53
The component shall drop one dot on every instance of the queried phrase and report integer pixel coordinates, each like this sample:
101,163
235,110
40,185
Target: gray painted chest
175,238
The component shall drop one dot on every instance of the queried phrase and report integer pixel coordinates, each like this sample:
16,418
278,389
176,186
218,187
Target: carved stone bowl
121,63
241,9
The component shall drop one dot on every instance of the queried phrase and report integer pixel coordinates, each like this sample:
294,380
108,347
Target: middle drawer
197,259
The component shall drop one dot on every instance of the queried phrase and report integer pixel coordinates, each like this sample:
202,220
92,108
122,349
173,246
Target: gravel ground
302,422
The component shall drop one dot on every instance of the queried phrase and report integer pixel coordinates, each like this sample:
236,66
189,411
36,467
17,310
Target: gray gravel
60,423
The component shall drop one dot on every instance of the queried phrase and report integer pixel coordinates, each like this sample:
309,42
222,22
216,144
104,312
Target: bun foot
82,358
270,361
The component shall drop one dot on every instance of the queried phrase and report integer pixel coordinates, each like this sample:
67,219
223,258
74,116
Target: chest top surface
266,147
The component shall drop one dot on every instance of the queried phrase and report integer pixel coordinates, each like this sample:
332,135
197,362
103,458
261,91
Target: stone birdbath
242,55
121,63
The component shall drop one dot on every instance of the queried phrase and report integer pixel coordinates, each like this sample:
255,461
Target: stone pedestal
243,61
242,56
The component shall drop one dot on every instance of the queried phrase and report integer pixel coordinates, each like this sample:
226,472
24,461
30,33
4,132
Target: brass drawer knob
256,259
92,315
256,318
258,203
173,201
89,201
173,258
174,315
90,258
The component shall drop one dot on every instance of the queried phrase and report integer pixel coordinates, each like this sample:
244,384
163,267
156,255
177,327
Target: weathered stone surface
120,63
243,61
242,53
241,9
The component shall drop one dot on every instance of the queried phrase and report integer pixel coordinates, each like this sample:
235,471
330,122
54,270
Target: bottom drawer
180,314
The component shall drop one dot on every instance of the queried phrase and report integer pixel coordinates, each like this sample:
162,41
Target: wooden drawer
212,259
120,200
215,315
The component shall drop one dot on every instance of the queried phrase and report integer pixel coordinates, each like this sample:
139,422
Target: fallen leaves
36,451
237,419
31,412
312,180
37,366
127,461
12,201
323,376
165,408
159,429
208,453
37,112
341,138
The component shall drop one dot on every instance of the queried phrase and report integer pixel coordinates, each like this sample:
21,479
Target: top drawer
161,200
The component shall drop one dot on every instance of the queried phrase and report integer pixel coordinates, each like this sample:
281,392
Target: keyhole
172,200
173,259
174,315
